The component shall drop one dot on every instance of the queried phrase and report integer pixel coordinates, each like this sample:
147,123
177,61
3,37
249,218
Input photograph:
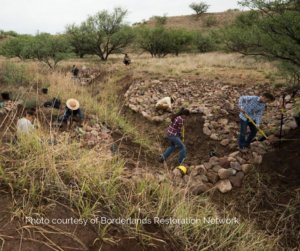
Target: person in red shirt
175,136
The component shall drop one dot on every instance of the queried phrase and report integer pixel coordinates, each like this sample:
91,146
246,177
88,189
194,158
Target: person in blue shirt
72,109
254,107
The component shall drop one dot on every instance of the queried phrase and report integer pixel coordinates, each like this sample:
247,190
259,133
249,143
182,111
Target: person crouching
165,104
72,109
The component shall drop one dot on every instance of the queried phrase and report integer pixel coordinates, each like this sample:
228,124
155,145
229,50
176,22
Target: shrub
13,74
210,21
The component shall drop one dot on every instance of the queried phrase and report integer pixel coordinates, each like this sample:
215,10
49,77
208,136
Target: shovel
258,129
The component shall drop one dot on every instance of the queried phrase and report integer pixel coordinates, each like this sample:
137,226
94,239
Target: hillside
194,22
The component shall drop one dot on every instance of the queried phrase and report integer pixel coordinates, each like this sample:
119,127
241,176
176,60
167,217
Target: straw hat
72,104
174,98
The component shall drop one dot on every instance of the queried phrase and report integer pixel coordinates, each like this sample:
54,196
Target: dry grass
229,68
94,187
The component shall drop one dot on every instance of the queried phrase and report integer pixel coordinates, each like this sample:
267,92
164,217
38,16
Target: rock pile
216,101
9,106
96,136
89,74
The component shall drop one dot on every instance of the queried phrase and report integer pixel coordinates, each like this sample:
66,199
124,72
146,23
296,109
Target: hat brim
70,107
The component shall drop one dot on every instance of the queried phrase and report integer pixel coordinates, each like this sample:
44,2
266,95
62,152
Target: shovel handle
258,128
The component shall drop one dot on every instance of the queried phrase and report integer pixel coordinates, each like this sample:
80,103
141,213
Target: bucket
45,90
5,95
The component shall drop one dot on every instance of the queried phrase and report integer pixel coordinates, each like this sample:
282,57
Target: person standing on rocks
165,104
175,136
254,107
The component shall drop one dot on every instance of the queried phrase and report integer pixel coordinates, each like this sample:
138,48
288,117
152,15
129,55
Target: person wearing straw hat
72,109
165,104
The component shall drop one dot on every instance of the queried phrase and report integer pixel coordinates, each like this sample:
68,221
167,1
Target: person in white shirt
165,104
24,125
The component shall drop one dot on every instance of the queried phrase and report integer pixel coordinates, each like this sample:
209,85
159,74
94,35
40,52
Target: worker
72,109
25,125
175,136
165,104
254,107
75,71
127,60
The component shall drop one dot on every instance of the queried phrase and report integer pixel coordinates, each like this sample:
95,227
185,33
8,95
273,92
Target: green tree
181,40
50,49
271,30
199,8
205,42
292,75
155,40
104,33
17,47
77,37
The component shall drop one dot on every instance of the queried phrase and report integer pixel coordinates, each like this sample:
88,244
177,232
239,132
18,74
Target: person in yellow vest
165,104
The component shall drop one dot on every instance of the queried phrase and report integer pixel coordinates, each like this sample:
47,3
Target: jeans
253,131
175,141
69,113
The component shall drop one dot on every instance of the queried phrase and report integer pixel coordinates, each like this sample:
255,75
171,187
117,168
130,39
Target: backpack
48,103
56,103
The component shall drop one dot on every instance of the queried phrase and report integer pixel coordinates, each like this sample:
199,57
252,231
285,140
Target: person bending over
175,136
165,104
72,109
254,107
25,125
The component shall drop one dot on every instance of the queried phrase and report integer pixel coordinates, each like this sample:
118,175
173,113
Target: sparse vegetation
210,21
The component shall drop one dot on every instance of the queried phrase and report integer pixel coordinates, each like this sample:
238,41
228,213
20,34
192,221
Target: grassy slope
91,185
194,22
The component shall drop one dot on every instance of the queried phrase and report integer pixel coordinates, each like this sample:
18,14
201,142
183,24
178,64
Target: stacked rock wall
218,103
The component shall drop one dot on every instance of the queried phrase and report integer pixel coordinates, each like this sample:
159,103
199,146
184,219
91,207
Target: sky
51,16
